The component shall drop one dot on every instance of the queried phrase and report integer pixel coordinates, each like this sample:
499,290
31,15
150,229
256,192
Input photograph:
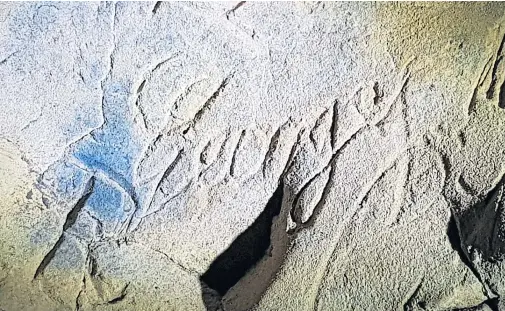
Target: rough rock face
252,156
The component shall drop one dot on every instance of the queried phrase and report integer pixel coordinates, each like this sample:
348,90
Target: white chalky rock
252,156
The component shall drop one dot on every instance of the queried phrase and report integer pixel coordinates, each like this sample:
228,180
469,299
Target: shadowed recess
476,232
242,255
479,226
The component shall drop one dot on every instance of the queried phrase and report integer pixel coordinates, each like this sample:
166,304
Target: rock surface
252,156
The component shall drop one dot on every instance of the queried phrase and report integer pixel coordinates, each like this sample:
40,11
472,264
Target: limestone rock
252,156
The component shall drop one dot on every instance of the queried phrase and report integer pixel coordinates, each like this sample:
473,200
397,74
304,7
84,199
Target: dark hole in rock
242,255
480,227
455,240
478,232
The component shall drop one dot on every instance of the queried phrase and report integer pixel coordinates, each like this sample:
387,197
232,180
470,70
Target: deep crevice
492,303
455,240
242,255
476,232
501,96
478,225
453,234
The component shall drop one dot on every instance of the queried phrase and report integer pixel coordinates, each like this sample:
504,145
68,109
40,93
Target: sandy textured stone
252,156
